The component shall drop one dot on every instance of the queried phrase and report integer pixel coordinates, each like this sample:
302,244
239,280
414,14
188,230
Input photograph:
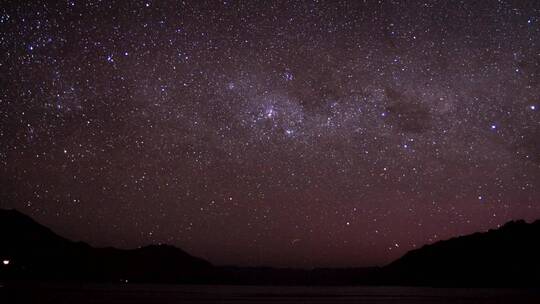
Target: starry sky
280,133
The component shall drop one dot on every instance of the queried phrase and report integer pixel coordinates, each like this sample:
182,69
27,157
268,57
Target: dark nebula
280,133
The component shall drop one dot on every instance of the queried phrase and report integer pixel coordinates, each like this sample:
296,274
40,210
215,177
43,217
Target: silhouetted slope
508,256
36,252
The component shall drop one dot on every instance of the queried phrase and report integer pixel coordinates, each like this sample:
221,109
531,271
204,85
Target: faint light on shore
5,262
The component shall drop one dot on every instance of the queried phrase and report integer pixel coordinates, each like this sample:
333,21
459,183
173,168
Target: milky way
283,133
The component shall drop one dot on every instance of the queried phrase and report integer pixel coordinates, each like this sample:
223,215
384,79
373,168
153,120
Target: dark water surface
134,293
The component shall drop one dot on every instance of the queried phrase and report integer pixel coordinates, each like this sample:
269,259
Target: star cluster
283,133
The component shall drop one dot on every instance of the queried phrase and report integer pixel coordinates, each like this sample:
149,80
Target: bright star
270,112
288,76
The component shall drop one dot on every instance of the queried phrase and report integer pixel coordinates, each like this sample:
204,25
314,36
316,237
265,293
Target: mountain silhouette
508,256
35,252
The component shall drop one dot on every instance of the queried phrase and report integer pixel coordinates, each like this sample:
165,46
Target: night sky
280,133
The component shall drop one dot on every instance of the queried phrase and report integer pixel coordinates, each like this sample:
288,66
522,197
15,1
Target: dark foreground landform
505,257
